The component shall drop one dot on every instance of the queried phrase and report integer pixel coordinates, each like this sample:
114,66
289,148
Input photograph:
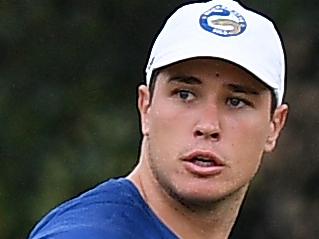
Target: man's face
206,129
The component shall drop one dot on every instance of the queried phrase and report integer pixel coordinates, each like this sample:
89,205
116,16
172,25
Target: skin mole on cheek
217,74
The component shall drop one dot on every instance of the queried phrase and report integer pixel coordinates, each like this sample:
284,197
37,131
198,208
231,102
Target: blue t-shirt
114,209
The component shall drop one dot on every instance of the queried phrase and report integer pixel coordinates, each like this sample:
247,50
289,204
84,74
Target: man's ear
277,123
143,107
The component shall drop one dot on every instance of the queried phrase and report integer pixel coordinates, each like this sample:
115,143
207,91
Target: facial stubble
170,189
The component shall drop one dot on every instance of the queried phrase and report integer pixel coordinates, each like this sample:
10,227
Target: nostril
198,133
215,135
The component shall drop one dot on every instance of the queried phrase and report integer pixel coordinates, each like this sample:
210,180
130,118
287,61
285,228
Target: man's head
207,119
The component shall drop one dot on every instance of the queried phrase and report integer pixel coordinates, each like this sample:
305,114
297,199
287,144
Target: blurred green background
68,121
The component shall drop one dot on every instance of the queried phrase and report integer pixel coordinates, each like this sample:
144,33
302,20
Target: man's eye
236,102
185,95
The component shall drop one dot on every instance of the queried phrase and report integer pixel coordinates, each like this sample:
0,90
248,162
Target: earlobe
143,107
277,123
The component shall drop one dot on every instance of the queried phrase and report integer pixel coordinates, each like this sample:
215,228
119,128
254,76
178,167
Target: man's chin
203,199
198,200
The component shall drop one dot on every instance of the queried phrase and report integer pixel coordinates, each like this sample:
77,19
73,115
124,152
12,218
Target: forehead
206,69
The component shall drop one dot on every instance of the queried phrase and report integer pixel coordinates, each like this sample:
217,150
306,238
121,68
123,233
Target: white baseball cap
222,29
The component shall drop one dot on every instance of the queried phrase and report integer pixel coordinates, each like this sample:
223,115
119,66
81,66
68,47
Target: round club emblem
223,21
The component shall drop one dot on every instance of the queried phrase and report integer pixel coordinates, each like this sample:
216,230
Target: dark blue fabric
113,210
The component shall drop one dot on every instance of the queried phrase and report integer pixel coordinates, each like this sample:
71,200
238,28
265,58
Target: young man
211,107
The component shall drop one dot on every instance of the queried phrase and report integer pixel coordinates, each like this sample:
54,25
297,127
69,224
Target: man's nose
208,124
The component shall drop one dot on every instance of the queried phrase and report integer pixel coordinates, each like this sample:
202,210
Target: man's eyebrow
185,79
243,89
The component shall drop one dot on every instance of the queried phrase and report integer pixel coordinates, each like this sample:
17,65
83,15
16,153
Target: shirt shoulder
113,209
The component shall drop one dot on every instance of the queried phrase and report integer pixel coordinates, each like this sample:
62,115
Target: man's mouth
203,163
204,159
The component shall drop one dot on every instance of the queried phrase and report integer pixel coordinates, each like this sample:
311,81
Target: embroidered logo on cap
223,21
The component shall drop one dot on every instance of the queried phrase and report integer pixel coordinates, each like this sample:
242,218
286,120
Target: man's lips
204,156
203,163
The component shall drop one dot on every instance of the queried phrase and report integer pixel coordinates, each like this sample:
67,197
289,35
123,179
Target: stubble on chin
170,189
